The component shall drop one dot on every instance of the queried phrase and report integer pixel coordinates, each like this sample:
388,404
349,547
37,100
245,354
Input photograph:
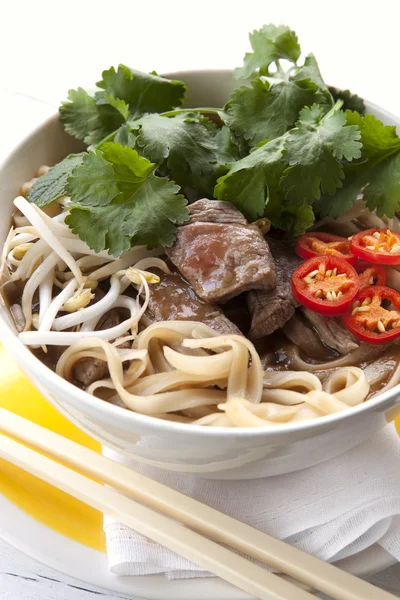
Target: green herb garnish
285,147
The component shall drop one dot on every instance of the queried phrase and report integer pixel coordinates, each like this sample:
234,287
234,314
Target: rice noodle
393,381
362,353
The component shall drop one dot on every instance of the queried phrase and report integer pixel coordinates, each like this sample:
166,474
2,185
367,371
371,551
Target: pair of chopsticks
201,519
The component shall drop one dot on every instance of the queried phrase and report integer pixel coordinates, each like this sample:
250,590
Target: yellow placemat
46,504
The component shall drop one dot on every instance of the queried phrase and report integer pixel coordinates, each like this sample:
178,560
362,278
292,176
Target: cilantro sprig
118,201
284,146
123,94
288,174
270,106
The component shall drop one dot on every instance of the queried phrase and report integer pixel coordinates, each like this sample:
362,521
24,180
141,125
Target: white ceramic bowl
207,452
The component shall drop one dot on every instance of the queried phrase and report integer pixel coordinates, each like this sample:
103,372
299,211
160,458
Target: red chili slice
370,321
326,284
319,243
370,274
380,246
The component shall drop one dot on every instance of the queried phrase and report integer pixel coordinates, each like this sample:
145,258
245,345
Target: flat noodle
289,380
219,365
363,353
393,381
237,385
348,385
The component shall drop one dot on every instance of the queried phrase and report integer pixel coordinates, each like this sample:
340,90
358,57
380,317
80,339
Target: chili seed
360,309
381,327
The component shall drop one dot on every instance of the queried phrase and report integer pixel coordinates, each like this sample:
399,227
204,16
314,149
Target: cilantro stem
337,106
178,111
108,138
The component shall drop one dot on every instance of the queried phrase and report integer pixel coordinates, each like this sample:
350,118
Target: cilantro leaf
117,201
53,184
143,92
383,192
253,186
293,218
314,149
85,119
123,93
350,101
228,145
253,180
265,111
102,176
185,144
124,136
310,70
335,206
378,140
116,103
159,198
270,105
270,44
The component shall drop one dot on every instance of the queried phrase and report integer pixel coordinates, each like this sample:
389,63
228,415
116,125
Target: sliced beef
237,311
271,309
87,370
301,333
220,254
173,299
331,332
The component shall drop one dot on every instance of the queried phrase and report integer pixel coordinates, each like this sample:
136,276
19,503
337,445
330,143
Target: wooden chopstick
211,556
216,525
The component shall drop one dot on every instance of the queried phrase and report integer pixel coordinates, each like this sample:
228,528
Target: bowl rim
10,340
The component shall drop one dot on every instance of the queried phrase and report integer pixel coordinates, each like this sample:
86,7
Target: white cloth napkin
332,510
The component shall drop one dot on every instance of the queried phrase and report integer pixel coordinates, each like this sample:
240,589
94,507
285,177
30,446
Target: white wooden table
47,48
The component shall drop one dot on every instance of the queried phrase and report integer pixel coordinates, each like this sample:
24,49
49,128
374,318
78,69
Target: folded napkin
332,510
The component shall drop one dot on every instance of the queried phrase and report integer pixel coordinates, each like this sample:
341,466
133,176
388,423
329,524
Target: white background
48,47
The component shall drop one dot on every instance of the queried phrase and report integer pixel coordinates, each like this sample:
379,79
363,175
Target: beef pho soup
217,267
207,331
